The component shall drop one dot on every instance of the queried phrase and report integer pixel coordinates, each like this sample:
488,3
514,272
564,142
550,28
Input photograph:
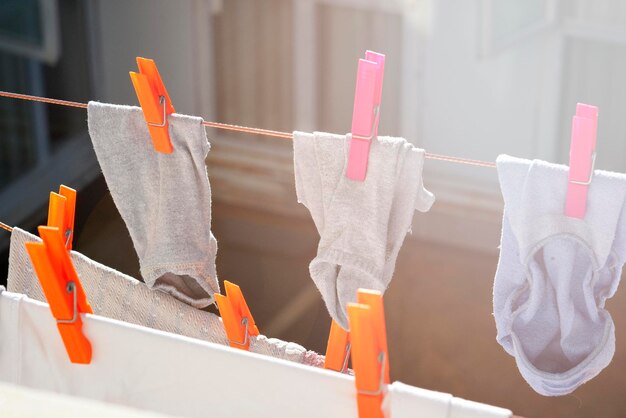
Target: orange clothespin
63,291
337,349
155,103
238,320
370,357
61,211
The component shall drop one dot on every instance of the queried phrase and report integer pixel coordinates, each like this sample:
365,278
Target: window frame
50,50
74,163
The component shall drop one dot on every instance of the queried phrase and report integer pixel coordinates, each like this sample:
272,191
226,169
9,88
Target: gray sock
361,224
164,199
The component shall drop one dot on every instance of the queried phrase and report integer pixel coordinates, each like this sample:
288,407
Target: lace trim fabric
115,295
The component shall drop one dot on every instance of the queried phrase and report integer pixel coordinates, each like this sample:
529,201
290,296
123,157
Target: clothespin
366,112
155,102
61,211
337,349
236,316
370,358
582,158
63,291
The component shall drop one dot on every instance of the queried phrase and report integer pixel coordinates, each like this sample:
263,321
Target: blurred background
471,79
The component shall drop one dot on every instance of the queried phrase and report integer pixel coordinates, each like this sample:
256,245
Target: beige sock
361,224
165,199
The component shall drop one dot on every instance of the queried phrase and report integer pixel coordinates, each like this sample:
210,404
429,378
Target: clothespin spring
593,165
68,235
344,366
162,103
381,385
246,337
71,288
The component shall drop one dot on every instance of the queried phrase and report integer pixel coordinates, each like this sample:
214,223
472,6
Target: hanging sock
361,224
555,274
164,199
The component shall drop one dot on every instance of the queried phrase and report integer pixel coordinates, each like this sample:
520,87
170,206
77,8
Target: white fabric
164,199
166,373
22,402
555,274
118,296
361,224
404,401
170,374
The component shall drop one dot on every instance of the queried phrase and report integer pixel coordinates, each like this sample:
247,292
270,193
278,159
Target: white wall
479,107
521,100
176,34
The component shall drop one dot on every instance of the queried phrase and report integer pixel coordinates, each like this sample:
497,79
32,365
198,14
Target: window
30,133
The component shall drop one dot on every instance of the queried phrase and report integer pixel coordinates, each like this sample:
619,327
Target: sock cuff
338,275
191,283
563,383
345,259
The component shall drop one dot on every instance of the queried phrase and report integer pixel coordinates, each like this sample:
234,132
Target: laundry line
244,129
228,127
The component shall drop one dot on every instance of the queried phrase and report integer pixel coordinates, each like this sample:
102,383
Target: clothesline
228,127
245,129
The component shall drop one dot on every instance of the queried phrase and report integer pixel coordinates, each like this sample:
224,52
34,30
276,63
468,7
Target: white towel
162,372
404,401
171,374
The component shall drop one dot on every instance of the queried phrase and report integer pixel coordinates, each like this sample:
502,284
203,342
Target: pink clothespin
582,158
367,97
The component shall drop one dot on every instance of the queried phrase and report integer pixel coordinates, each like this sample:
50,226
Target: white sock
361,224
164,199
555,274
